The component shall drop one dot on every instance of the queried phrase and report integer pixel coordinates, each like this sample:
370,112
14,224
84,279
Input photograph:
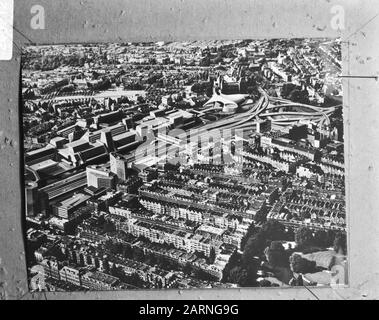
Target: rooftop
101,277
43,165
75,200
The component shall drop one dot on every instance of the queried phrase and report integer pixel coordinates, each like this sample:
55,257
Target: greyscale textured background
153,20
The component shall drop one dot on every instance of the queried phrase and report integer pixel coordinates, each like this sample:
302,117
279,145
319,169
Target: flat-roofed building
109,118
124,138
39,155
36,201
31,199
58,142
100,177
43,165
121,165
97,280
152,125
65,132
82,151
93,136
51,268
67,207
72,275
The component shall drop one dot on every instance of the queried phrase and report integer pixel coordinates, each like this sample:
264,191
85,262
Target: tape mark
6,29
312,293
359,77
364,25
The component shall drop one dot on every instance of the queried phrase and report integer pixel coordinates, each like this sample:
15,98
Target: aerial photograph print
184,165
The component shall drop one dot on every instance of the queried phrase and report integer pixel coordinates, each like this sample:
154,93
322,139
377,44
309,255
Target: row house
180,239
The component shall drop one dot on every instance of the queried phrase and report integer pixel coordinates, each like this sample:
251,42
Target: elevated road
281,113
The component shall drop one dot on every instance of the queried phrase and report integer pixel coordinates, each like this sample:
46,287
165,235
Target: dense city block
203,164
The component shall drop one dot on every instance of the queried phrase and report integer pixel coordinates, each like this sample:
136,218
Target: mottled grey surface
153,20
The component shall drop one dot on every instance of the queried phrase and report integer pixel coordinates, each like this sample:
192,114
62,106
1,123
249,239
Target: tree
272,92
201,87
159,283
203,275
330,236
138,254
205,62
261,216
254,247
321,239
276,254
199,254
296,282
135,280
141,99
250,231
234,260
230,54
287,88
299,96
150,259
264,283
237,272
109,226
101,221
187,269
127,251
238,275
244,276
250,90
274,230
113,247
340,243
300,265
304,237
290,234
116,271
